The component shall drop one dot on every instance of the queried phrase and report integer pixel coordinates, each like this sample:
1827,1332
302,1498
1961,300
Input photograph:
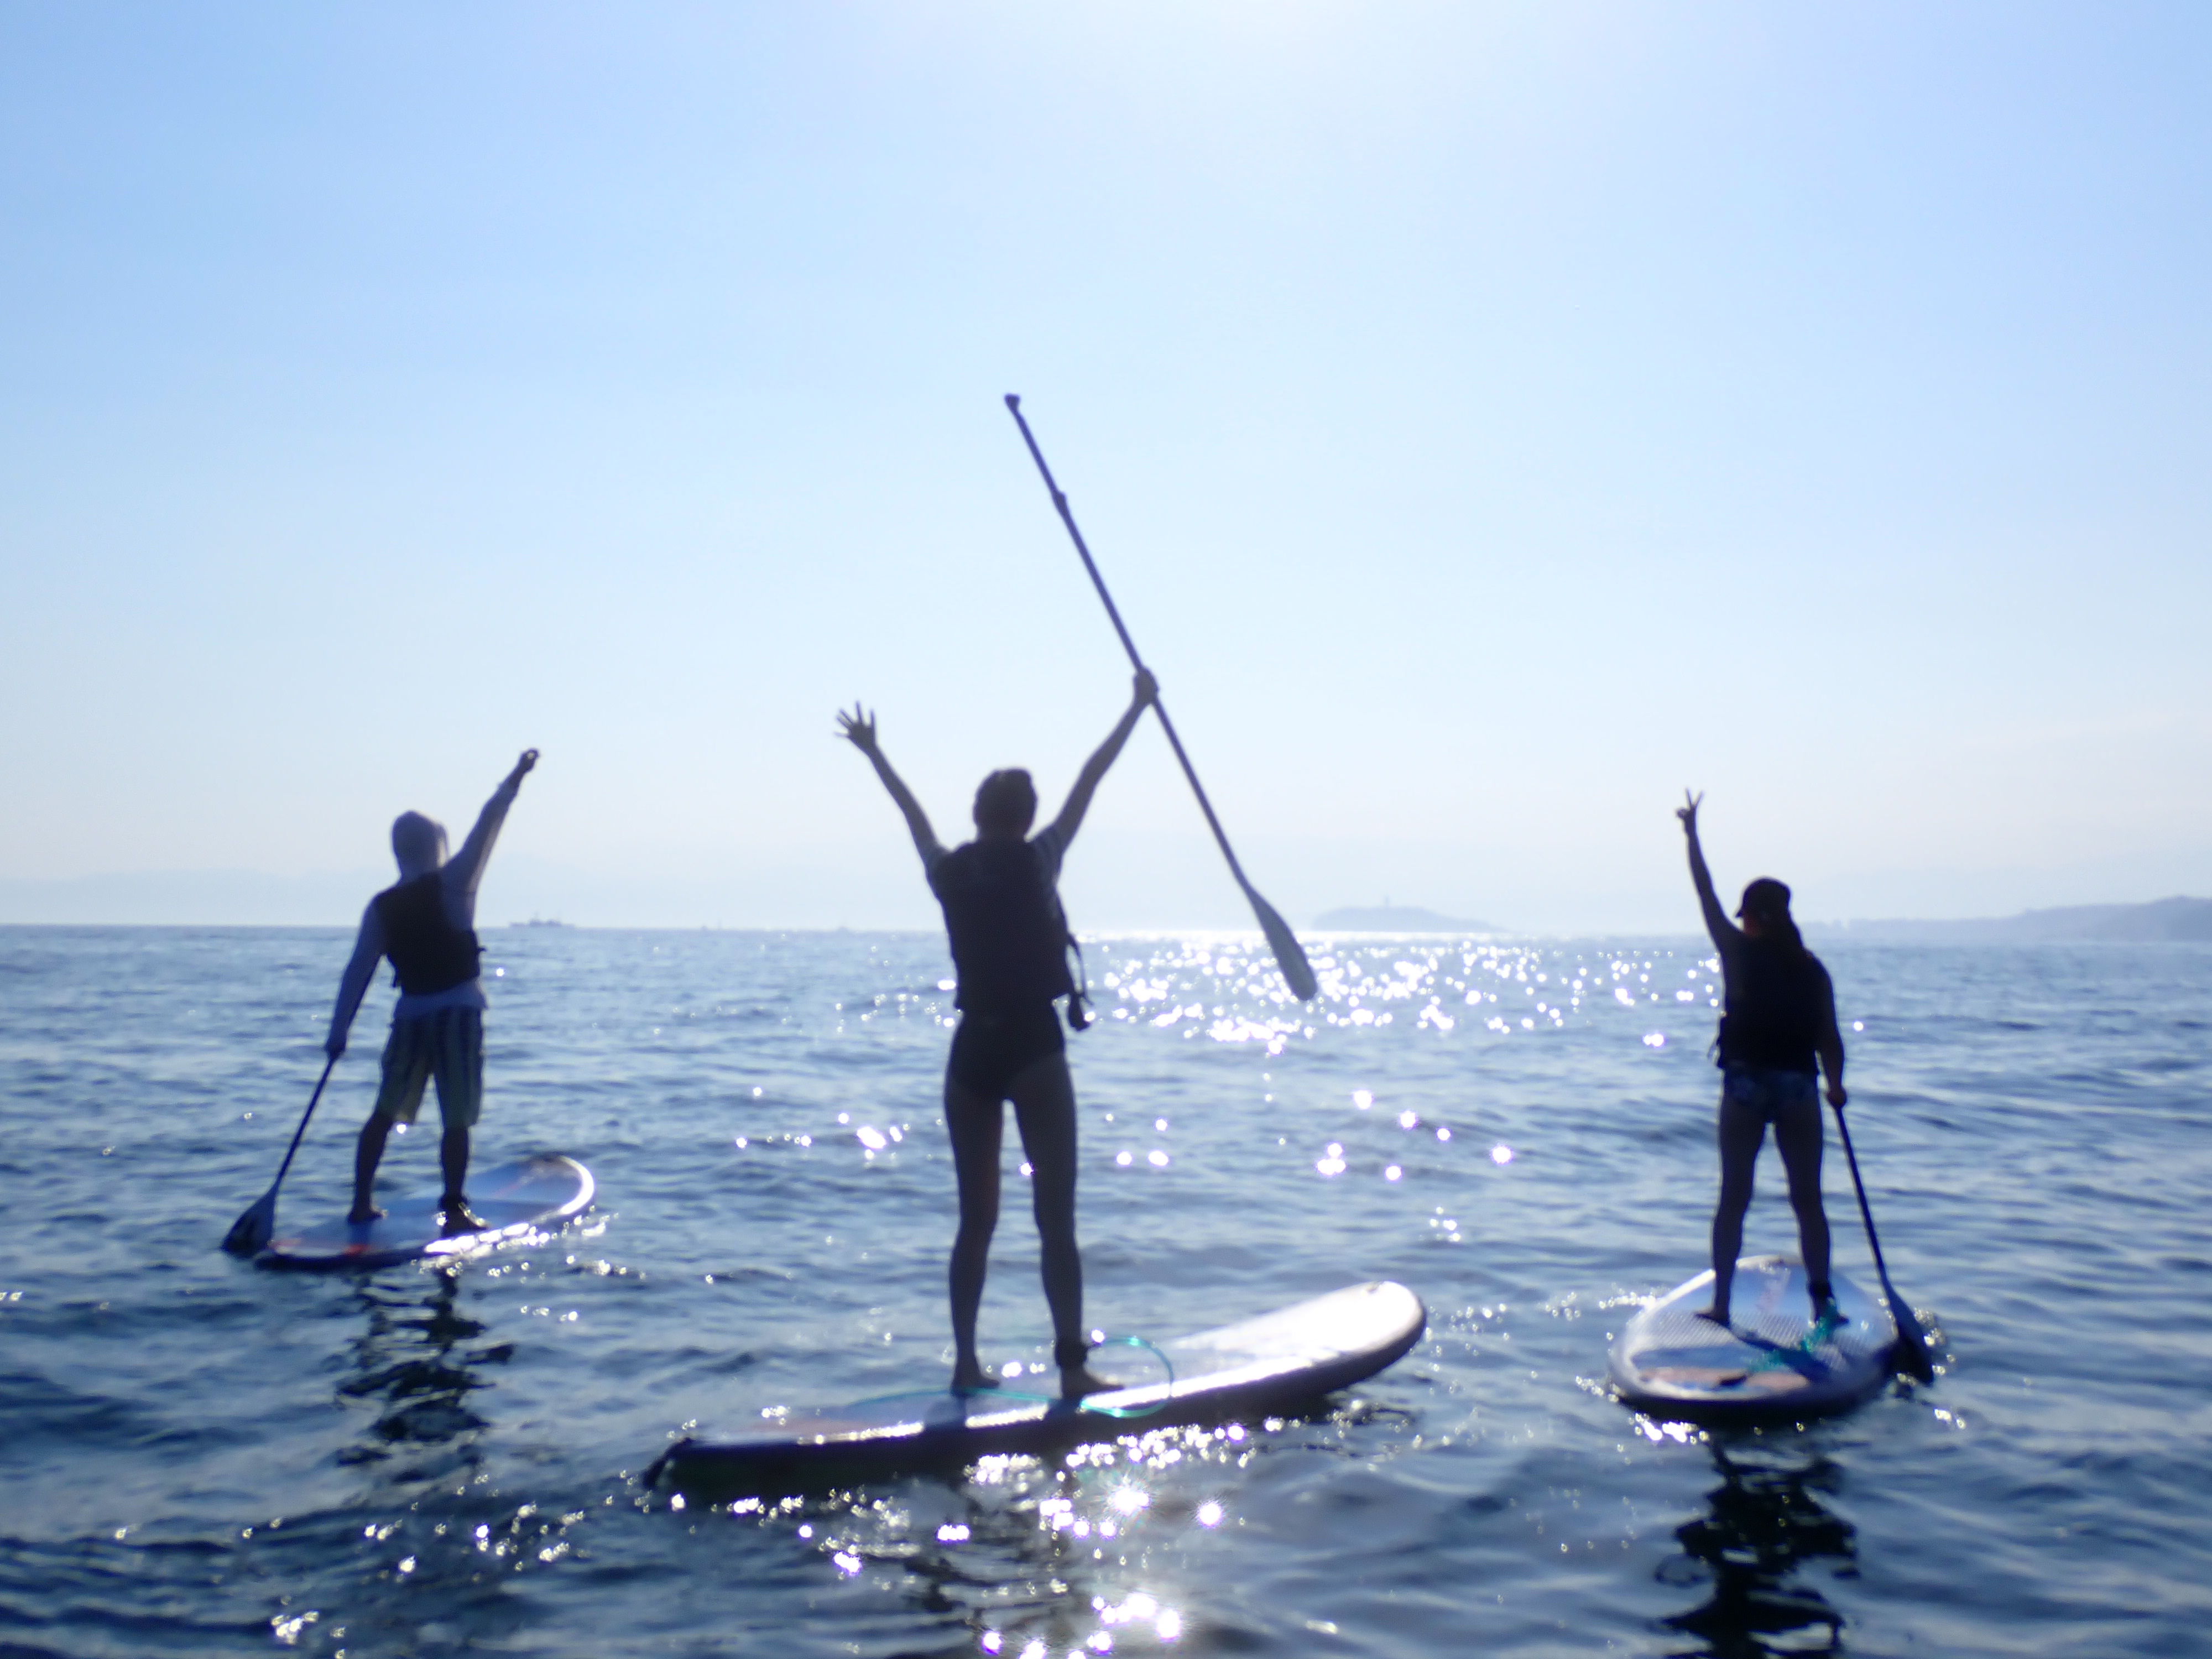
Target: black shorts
990,1050
1769,1091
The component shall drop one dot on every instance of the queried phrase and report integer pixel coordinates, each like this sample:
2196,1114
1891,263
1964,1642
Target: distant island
2183,919
1396,919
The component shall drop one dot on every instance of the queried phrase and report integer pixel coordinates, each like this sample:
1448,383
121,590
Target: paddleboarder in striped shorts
426,925
1009,943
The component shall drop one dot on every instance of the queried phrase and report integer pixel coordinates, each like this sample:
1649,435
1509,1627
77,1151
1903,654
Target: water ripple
205,1459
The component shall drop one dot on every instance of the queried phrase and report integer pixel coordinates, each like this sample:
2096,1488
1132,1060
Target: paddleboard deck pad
528,1195
1278,1361
1772,1362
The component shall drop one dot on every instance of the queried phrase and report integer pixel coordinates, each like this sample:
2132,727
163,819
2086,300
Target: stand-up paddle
251,1230
1911,1344
1290,957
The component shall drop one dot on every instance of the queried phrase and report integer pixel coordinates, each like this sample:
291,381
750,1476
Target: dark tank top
429,953
1009,934
1779,1007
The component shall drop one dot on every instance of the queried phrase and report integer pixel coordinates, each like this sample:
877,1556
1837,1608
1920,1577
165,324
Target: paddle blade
252,1230
1290,956
1911,1356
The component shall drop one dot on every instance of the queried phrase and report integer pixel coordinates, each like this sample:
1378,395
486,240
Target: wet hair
418,840
1768,900
1006,802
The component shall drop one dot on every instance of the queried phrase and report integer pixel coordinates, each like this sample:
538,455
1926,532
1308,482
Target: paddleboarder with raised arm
1009,942
425,924
1779,1018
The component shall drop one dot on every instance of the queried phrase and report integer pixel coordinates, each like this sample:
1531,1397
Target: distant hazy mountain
1395,919
2163,919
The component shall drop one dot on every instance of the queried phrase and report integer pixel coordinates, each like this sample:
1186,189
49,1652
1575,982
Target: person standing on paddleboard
425,924
1778,1017
1009,944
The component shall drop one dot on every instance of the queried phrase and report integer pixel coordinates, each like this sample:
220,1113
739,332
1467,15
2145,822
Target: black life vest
1009,935
1776,1010
429,953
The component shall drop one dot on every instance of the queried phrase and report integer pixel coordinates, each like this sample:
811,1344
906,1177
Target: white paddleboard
1770,1363
528,1195
1279,1360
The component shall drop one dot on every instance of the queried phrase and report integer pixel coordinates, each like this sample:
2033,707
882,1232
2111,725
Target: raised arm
466,867
1142,689
353,984
858,729
1717,921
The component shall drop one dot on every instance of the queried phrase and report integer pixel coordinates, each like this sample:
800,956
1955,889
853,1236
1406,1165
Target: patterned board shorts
448,1045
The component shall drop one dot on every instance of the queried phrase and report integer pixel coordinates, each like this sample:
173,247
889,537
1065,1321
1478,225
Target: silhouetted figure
425,924
1778,1017
1010,944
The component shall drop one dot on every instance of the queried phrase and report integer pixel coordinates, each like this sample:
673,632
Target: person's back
430,952
1775,1009
1003,918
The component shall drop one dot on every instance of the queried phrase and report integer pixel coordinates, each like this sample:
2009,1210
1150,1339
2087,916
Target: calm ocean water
201,1457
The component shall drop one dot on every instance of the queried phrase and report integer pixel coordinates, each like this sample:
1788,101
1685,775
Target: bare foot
974,1380
362,1214
1077,1381
1716,1316
456,1218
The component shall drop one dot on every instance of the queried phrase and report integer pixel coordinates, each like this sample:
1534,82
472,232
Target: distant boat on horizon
541,921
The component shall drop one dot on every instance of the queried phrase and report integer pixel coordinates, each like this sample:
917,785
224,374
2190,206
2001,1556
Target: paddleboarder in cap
425,924
1779,1018
1010,944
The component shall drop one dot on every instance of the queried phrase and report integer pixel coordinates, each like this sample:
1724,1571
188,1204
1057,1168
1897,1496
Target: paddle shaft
1067,518
284,1169
1908,1324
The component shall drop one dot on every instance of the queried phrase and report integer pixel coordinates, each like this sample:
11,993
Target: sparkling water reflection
206,1459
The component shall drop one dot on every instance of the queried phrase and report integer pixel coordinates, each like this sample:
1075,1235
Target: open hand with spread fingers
858,728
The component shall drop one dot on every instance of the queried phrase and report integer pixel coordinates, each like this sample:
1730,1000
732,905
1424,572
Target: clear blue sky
1492,418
